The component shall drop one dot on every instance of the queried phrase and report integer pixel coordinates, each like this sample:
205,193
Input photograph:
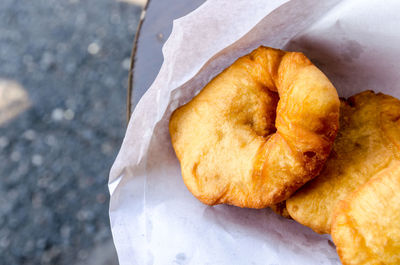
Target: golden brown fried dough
258,131
280,208
367,142
366,225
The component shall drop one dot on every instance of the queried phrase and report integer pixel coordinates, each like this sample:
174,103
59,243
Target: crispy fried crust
258,131
367,142
366,225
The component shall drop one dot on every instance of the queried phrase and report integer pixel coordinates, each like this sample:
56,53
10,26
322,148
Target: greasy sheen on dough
366,225
258,131
368,141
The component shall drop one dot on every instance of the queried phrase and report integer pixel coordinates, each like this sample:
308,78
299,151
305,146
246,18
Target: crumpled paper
154,218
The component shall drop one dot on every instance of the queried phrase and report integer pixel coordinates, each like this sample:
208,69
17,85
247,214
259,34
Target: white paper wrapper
154,218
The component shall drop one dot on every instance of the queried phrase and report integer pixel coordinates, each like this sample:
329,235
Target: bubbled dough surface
366,225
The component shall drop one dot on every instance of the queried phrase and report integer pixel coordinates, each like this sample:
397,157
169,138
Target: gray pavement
63,75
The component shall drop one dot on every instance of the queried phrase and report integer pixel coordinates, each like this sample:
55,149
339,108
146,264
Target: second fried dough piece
367,142
258,131
366,225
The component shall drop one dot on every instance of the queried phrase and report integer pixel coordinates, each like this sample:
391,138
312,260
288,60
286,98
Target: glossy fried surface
258,131
366,225
367,142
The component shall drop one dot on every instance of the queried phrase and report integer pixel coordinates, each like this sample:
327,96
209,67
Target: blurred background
63,77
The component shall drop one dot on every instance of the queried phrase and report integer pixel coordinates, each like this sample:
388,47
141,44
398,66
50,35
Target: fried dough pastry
258,131
366,225
367,142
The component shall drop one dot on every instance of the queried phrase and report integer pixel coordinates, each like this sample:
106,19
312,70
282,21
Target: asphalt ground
63,77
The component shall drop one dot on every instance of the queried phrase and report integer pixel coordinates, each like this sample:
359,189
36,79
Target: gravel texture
72,58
